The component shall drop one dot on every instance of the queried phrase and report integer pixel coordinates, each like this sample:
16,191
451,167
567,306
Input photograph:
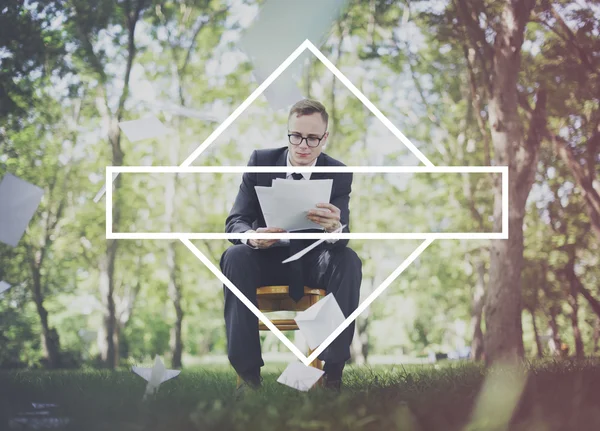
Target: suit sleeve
342,200
245,209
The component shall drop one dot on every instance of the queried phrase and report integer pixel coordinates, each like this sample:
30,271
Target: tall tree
86,21
495,67
186,24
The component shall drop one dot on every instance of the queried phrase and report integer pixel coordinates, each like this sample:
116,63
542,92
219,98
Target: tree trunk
594,303
503,337
536,333
49,336
108,347
596,336
579,351
572,299
174,288
107,344
477,312
584,176
360,342
555,341
575,287
176,341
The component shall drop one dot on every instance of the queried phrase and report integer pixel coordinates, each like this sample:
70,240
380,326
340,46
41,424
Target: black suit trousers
337,270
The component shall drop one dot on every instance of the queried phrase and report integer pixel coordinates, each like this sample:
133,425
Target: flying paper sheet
155,376
20,200
103,189
318,321
4,286
88,336
299,376
190,113
310,247
137,130
286,204
146,373
144,128
280,28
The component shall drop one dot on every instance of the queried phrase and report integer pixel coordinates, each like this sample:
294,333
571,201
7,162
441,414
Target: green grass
556,396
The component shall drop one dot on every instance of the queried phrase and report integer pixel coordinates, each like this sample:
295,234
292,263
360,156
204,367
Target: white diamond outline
428,238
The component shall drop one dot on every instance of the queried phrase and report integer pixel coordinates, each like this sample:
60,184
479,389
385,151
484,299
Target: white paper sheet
144,128
20,200
286,204
299,376
268,203
318,321
4,286
155,376
310,247
146,373
102,191
189,113
276,33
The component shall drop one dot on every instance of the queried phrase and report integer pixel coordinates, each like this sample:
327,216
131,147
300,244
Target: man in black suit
254,263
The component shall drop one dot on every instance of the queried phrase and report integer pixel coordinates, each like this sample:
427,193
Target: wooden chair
276,298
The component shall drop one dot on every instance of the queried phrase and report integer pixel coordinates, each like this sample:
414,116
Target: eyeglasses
311,141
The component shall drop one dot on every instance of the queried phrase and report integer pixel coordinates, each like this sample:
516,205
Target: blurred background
71,70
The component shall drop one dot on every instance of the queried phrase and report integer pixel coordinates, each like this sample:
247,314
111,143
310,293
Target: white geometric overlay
427,238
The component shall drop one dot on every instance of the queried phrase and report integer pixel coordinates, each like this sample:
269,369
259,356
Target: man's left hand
328,217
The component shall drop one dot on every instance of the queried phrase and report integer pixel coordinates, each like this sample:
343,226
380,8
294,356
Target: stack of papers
286,204
20,200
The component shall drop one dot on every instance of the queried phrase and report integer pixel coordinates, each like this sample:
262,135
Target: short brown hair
308,107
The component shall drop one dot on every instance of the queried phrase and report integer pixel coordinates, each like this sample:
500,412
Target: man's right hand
264,243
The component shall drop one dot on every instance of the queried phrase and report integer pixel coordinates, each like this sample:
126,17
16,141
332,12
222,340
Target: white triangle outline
303,358
307,44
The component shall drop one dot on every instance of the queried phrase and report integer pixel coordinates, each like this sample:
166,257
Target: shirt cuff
245,241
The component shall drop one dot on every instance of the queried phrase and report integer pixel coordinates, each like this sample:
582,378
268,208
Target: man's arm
342,201
245,209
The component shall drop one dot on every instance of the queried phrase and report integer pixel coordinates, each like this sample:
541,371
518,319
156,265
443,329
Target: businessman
250,264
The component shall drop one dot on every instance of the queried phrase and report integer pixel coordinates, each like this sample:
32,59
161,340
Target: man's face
306,126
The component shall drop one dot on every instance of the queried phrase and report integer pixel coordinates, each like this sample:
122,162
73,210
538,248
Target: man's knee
236,255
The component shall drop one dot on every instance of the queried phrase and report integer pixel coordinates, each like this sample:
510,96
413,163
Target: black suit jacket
246,213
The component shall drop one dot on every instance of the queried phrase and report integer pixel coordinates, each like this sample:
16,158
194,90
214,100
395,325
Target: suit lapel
320,175
281,161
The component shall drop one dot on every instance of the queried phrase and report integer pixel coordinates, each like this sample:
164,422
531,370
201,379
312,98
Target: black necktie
296,271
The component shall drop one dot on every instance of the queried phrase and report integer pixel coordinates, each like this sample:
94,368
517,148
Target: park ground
550,396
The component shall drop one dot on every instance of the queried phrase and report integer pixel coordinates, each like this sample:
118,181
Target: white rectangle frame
503,170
